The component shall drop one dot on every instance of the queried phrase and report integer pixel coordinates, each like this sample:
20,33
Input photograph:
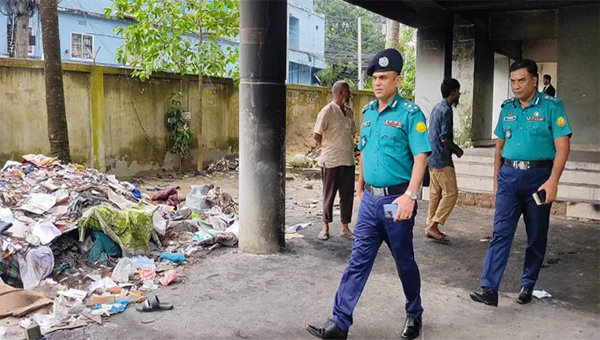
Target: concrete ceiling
425,13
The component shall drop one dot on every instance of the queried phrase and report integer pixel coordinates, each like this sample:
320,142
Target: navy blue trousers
371,229
514,197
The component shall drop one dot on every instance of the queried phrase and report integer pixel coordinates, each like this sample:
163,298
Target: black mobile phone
540,197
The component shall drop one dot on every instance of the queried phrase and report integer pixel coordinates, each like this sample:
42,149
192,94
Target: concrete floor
230,295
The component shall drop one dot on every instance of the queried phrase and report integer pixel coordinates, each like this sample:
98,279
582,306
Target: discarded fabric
173,257
131,229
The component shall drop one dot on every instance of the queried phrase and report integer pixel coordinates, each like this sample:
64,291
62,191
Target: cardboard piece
18,302
101,299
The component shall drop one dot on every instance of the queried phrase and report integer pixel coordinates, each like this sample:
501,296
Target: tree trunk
200,164
395,39
58,133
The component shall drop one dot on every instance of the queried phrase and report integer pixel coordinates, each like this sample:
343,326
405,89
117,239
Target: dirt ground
231,295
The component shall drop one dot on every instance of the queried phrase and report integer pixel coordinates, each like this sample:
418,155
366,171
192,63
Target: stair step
569,176
568,192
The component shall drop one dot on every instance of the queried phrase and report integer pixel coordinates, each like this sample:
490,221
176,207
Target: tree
408,49
179,36
341,40
58,132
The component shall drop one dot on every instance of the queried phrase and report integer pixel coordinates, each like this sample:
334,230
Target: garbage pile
84,245
311,158
223,165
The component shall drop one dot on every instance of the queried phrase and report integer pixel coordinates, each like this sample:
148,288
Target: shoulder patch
508,101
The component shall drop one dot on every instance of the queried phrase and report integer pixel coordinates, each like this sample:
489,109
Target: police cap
386,60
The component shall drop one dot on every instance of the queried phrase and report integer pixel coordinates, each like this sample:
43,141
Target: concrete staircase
579,185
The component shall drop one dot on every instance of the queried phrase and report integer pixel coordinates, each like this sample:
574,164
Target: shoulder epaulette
411,107
369,105
552,99
508,101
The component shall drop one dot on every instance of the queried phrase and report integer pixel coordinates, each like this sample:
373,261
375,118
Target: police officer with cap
532,149
394,147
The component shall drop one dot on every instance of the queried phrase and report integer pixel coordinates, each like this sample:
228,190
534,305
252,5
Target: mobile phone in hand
540,197
389,210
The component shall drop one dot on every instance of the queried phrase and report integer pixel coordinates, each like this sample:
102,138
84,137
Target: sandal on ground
323,235
349,235
154,305
441,237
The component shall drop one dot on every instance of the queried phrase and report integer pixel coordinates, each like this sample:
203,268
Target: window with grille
294,33
82,46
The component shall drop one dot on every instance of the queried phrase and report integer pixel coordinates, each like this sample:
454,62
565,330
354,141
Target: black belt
387,191
525,165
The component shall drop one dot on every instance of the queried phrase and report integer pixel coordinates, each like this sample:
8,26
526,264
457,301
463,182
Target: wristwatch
411,194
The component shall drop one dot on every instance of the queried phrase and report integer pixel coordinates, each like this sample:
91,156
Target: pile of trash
311,158
84,245
223,165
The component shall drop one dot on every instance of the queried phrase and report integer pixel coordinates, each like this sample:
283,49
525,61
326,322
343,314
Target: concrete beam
511,49
524,25
542,51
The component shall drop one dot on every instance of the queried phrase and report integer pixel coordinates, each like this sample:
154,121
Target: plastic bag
159,223
35,266
143,261
196,199
123,269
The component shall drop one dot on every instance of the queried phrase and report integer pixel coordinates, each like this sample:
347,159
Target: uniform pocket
537,130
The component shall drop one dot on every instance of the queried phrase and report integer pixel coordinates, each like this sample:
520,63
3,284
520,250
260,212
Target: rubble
88,245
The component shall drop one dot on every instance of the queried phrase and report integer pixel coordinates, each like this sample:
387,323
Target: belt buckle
379,191
522,165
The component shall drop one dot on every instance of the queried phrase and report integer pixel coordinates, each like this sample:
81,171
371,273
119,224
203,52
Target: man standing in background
443,190
548,88
334,132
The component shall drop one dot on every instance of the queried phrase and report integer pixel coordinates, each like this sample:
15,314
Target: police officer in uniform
532,149
394,146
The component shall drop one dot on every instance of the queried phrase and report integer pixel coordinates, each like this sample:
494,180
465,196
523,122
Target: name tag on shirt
535,119
510,118
366,124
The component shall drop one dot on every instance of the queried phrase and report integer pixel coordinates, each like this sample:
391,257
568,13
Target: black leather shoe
412,327
525,295
328,331
487,296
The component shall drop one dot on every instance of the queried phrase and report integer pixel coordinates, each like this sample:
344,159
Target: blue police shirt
389,141
441,123
529,133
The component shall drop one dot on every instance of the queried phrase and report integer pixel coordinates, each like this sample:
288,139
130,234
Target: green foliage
341,40
408,49
164,36
179,130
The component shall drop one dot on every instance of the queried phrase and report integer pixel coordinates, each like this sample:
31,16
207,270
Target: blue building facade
306,42
85,34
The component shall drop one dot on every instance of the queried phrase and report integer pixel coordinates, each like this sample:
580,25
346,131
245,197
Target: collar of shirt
393,104
446,105
339,108
534,101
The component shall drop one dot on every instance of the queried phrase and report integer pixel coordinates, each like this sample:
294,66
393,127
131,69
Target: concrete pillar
579,72
98,152
463,68
262,125
483,89
431,59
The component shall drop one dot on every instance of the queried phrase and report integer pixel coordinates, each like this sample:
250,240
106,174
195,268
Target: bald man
334,132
